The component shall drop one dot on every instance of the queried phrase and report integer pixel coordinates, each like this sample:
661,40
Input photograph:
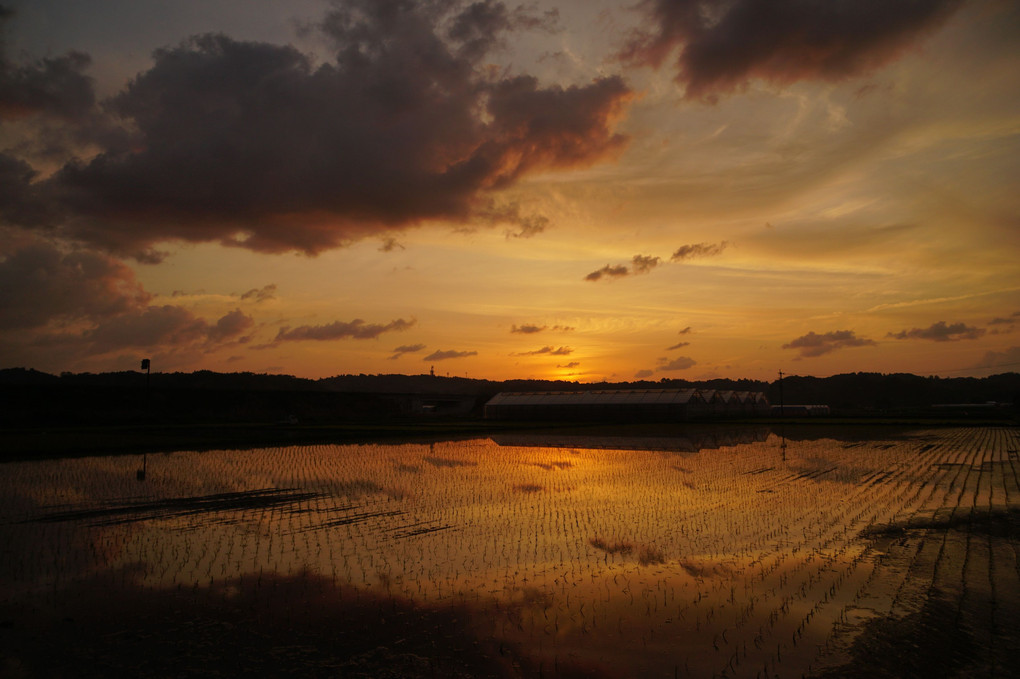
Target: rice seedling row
758,558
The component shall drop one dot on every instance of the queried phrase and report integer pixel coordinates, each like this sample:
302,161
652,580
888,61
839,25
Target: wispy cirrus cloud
814,344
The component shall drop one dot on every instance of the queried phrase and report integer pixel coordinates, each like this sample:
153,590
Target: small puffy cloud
548,351
229,326
685,331
642,374
1002,361
608,271
54,86
527,329
1011,320
721,45
639,264
152,326
678,363
448,354
21,200
406,349
940,332
814,344
572,364
262,294
685,252
525,226
644,263
678,345
356,329
167,326
390,244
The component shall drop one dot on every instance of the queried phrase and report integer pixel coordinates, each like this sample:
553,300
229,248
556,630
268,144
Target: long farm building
662,405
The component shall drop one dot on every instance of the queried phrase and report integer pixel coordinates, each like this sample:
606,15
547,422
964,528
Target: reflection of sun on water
737,557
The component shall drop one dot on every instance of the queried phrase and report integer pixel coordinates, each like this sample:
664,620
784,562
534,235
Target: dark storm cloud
451,353
406,349
813,344
56,86
698,250
547,350
40,282
482,24
940,332
356,329
721,45
21,201
251,144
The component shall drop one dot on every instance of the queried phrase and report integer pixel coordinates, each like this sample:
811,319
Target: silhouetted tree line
33,397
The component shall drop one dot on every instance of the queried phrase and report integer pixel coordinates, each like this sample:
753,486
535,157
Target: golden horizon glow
815,225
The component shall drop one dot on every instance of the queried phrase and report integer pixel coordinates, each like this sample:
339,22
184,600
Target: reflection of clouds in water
448,462
129,512
553,466
820,469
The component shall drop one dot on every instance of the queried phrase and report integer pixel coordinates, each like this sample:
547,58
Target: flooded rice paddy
738,553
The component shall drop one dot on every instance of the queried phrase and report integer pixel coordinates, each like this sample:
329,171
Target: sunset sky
566,189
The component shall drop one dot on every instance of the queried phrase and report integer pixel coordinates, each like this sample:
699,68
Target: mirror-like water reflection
745,554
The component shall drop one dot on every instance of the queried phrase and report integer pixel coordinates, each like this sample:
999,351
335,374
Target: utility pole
782,411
